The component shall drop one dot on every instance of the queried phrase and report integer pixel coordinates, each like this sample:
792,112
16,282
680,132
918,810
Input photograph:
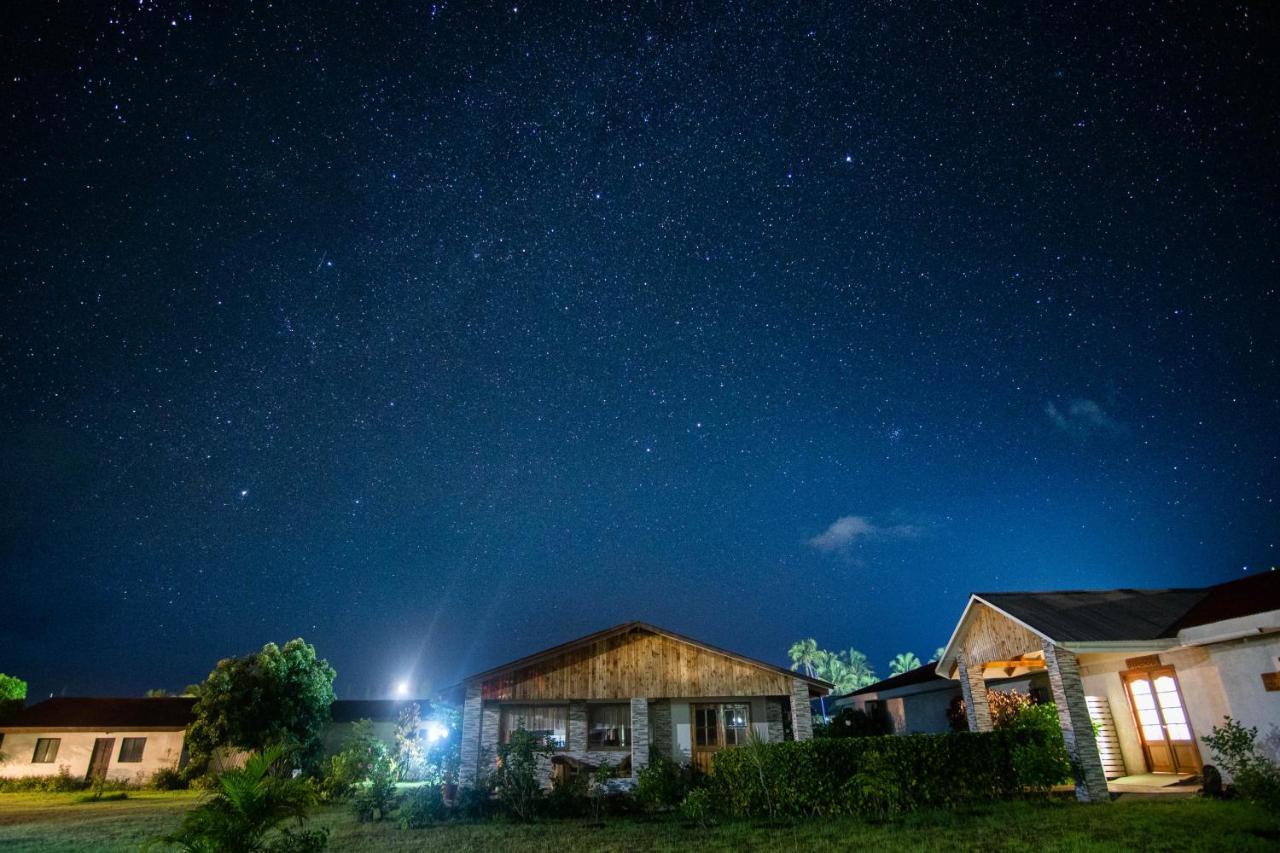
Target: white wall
1239,667
163,749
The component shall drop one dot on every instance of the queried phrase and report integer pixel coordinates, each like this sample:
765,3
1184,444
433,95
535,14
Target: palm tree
860,672
250,802
938,653
804,655
904,662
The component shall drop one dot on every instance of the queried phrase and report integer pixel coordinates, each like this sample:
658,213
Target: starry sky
438,333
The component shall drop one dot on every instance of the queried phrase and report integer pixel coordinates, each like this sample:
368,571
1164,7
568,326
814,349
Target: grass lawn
60,822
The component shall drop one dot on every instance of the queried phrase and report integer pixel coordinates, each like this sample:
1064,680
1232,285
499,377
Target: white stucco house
1155,669
126,739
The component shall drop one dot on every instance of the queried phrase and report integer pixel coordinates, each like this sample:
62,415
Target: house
614,695
126,739
1154,669
130,739
919,700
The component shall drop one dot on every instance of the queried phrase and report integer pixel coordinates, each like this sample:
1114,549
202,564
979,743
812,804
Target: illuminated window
548,722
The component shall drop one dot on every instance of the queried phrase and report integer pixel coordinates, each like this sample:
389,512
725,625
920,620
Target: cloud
1082,418
848,530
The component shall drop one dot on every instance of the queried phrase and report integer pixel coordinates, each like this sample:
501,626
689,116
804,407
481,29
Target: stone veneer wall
660,728
974,689
639,736
801,718
470,746
1077,727
773,716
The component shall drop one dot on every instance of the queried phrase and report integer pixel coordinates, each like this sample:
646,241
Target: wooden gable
637,662
994,637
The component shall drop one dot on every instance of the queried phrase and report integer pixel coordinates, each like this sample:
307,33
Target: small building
614,695
1153,669
127,740
919,701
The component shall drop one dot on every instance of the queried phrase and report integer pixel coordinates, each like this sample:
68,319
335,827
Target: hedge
870,776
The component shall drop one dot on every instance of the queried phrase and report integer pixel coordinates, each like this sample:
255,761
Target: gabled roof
626,628
1125,615
170,712
920,675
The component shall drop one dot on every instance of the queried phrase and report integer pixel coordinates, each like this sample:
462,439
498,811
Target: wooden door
100,758
1167,739
707,735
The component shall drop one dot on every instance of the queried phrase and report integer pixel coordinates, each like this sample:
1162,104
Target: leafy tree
904,662
245,813
937,654
276,696
860,672
157,693
12,688
517,781
805,656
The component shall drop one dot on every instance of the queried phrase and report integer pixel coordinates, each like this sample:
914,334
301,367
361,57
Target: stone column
470,745
773,716
801,716
974,688
1077,727
639,736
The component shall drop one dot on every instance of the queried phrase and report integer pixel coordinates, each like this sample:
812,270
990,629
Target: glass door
1167,739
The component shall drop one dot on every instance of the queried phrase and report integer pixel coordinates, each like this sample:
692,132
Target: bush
569,796
699,806
870,776
63,782
339,776
474,803
1255,776
168,779
1040,761
376,798
516,779
855,722
423,807
661,785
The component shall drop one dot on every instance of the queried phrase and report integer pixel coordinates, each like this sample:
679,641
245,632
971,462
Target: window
550,722
737,724
608,727
46,750
131,749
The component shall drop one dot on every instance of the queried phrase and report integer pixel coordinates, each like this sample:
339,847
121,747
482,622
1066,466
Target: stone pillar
1077,727
773,716
470,745
639,736
576,737
660,728
801,717
974,689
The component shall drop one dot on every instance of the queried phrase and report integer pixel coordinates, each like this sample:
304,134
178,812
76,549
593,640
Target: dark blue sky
439,333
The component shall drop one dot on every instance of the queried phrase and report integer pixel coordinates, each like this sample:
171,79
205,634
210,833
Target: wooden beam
1029,663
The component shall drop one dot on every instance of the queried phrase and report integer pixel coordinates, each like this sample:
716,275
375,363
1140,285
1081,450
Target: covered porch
1120,707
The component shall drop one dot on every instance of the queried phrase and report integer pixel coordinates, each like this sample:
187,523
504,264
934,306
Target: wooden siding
992,636
638,663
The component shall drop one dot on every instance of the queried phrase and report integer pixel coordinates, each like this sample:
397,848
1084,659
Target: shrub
855,722
1040,761
1255,776
423,807
474,803
568,797
63,782
168,779
699,806
376,798
661,785
339,776
516,779
872,776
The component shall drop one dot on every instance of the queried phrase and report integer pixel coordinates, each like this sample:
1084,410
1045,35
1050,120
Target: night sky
440,333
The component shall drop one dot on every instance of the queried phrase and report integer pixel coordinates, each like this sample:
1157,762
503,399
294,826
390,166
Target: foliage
903,662
62,782
822,776
699,806
1007,706
337,779
847,670
12,688
1255,776
277,696
661,784
598,789
246,812
370,760
423,807
420,759
168,779
855,722
569,797
157,693
1041,761
516,777
474,803
411,752
937,654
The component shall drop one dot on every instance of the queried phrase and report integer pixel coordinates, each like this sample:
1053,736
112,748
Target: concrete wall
163,749
1239,666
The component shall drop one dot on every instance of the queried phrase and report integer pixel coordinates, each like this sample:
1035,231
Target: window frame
626,728
127,742
51,755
